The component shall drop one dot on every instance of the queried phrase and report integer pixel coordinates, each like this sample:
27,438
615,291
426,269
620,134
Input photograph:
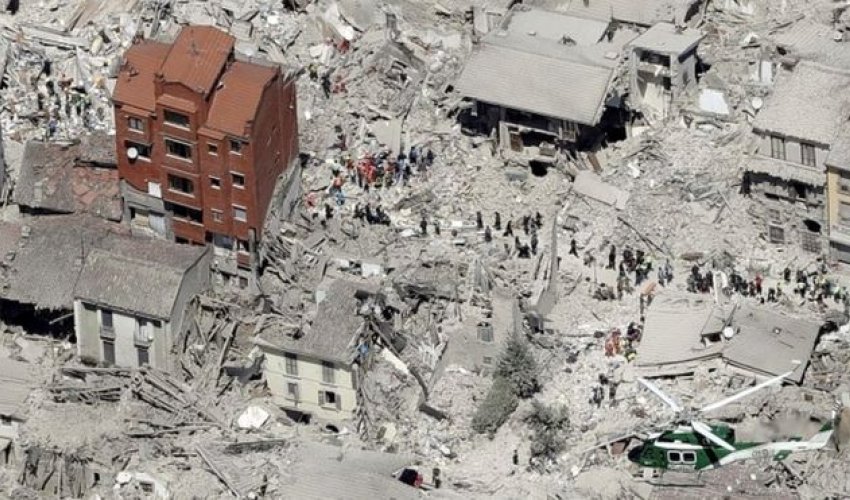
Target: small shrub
496,407
549,425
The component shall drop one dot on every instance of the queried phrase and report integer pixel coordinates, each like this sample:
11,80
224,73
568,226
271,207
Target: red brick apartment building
202,137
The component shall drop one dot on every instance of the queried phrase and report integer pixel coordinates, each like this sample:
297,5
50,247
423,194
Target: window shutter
321,398
338,402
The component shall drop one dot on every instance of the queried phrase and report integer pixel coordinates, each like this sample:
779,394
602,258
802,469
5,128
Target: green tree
518,366
495,409
549,425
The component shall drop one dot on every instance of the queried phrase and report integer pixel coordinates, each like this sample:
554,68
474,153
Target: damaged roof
558,88
666,38
52,179
765,342
553,26
839,152
115,275
197,57
527,65
811,40
324,471
768,342
48,257
808,103
135,83
640,12
238,96
335,325
15,386
674,328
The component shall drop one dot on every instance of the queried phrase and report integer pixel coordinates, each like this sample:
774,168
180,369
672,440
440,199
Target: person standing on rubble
534,243
488,236
423,226
573,249
479,221
612,257
326,85
508,230
497,223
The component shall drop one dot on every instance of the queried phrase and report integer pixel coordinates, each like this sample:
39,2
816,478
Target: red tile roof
236,101
197,57
135,85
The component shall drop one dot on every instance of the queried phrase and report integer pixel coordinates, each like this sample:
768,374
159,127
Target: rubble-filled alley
403,249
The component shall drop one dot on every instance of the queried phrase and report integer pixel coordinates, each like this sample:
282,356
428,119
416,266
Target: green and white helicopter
695,446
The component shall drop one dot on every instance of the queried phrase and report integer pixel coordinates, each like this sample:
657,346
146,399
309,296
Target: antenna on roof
193,48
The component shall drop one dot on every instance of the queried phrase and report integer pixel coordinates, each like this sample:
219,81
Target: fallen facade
315,373
663,64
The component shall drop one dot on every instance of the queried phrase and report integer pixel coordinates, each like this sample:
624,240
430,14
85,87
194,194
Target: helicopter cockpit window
689,457
674,456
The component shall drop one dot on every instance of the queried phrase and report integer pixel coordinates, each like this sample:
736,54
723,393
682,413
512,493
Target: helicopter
694,446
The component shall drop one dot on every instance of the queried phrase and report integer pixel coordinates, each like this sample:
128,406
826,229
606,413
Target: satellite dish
132,153
728,332
758,102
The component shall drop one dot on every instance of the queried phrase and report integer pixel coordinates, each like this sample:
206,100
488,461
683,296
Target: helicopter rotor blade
746,392
661,395
705,431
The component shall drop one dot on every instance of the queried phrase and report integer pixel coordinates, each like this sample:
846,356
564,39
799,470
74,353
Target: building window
106,326
180,184
777,147
844,182
239,213
776,233
330,398
235,146
178,149
291,364
144,332
242,245
485,333
143,355
109,351
215,183
237,179
328,372
143,151
175,118
689,457
212,148
674,456
292,391
844,214
185,213
218,216
136,124
807,154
